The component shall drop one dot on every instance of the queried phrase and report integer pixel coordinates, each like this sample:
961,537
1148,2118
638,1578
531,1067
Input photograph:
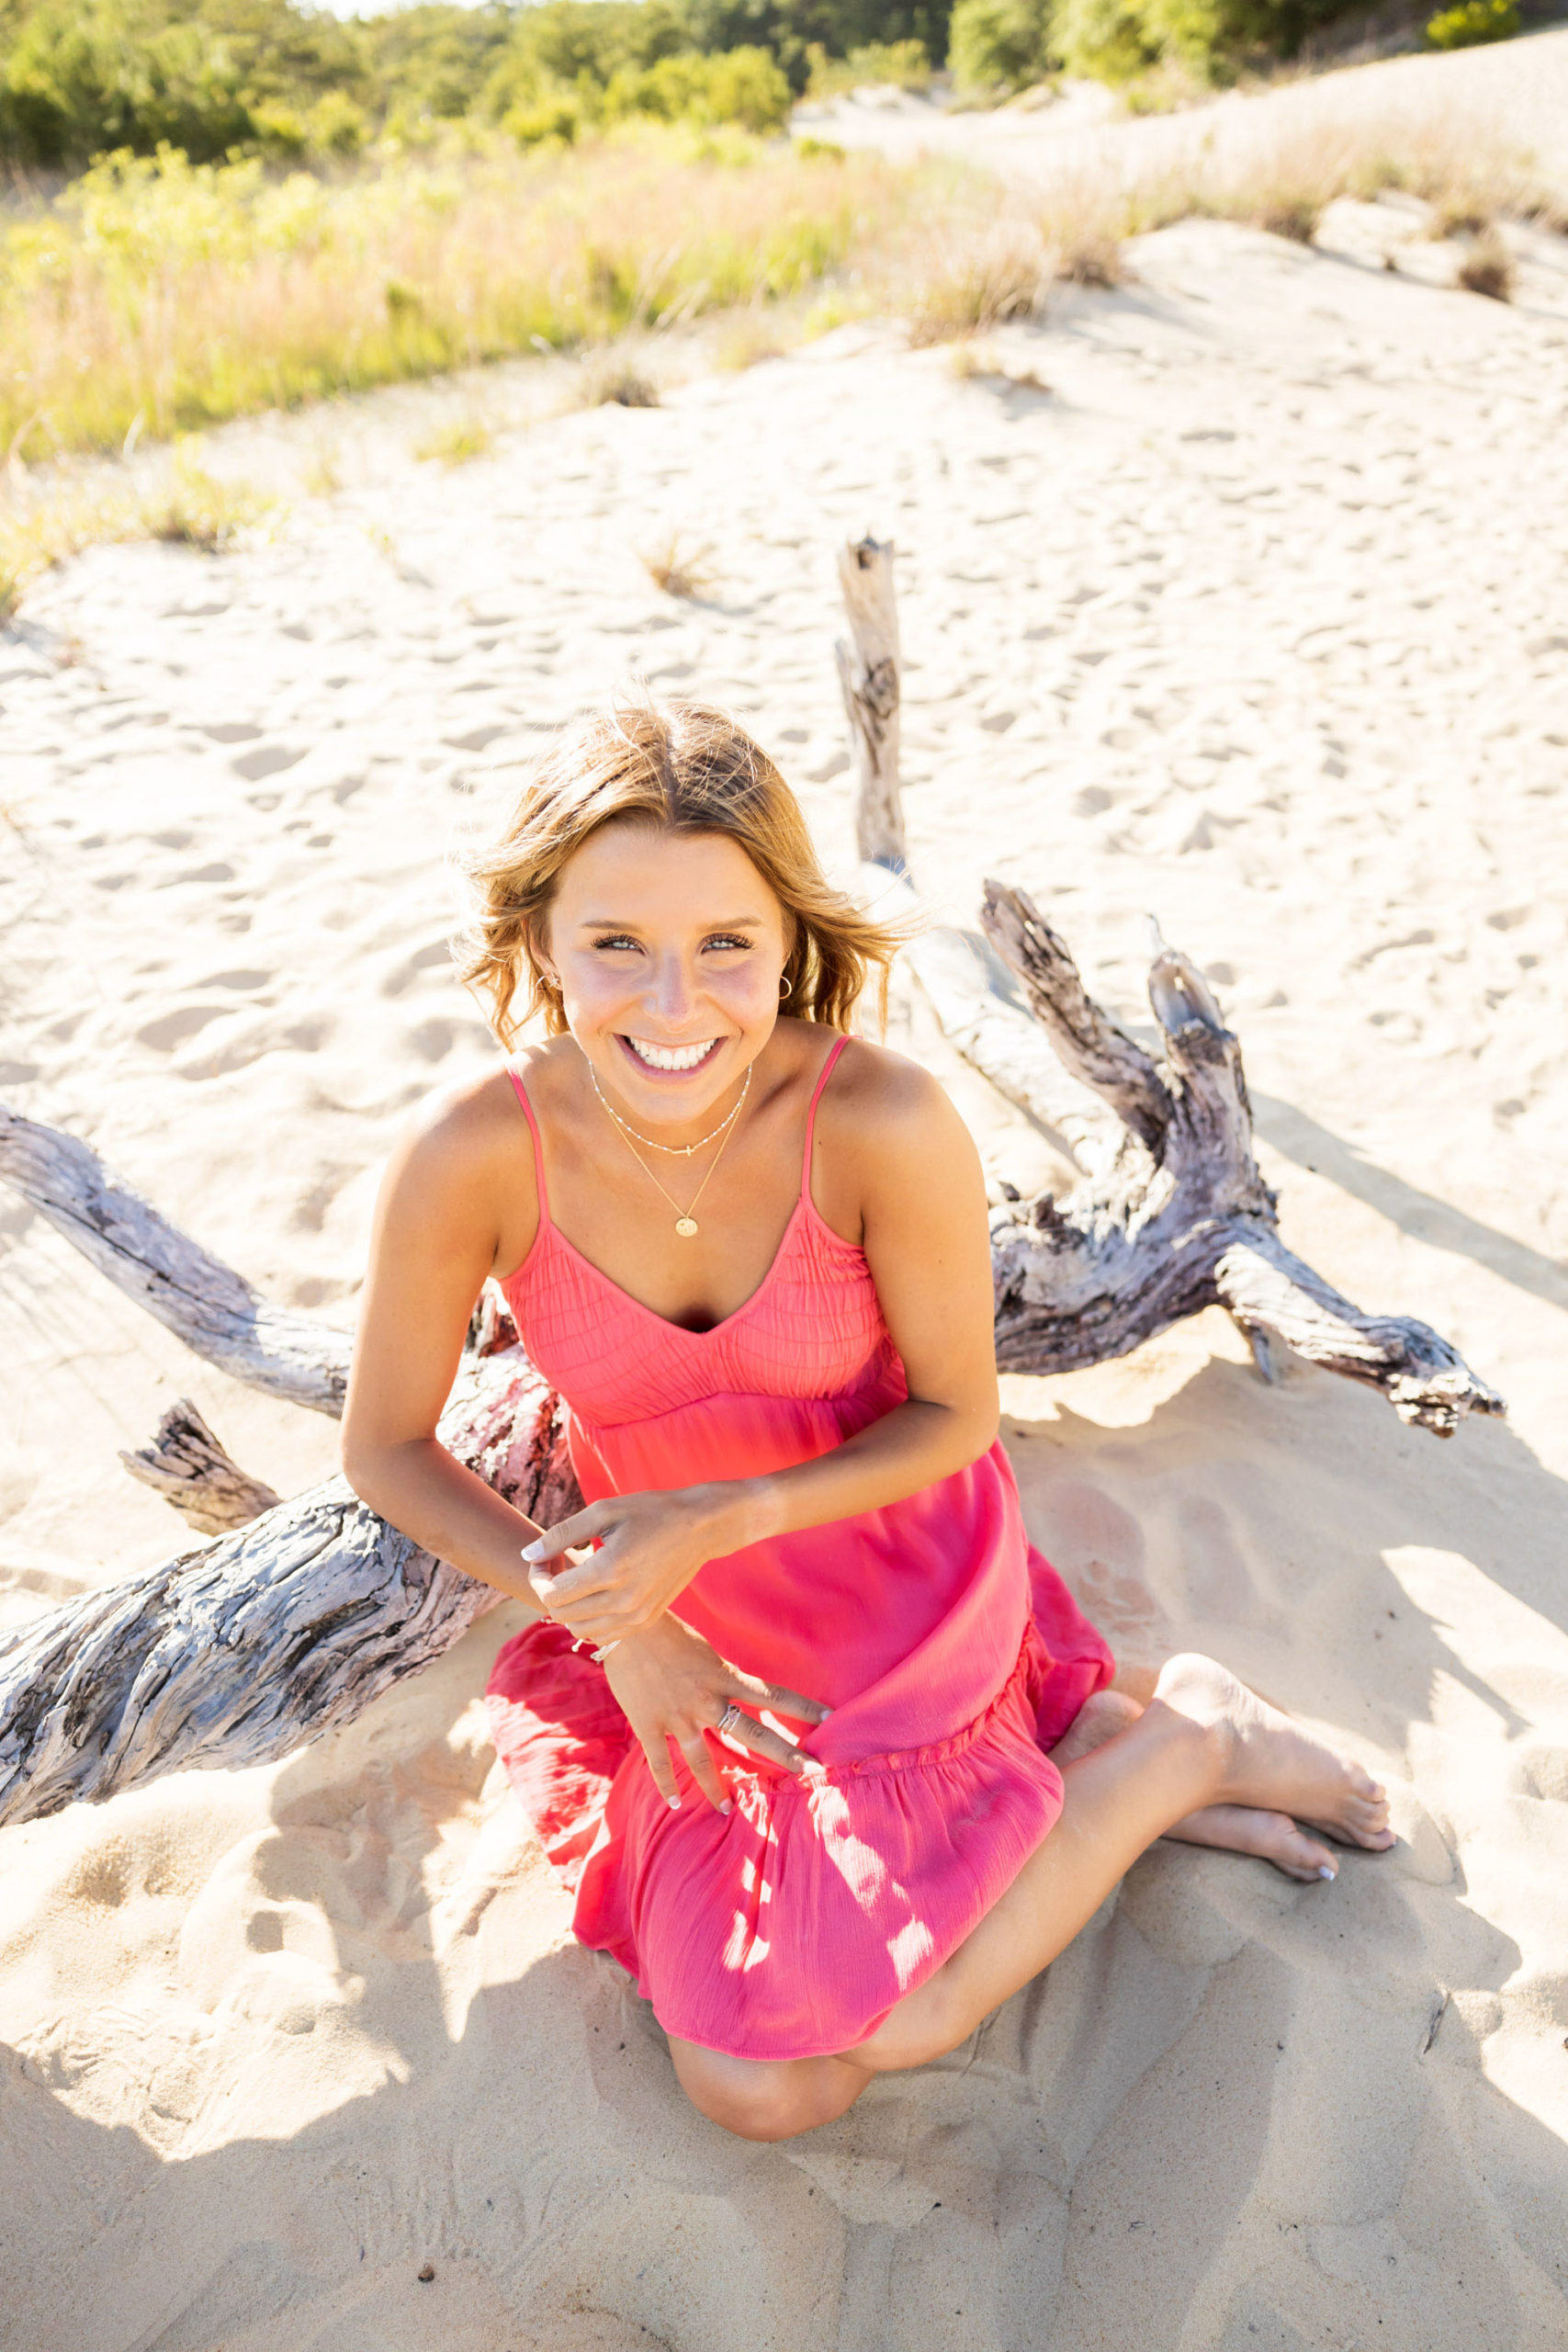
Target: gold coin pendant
685,1226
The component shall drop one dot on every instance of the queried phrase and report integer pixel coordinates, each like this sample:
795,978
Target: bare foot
1271,1763
1247,1829
1234,1828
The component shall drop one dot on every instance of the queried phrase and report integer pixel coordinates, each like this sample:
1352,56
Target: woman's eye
726,939
615,939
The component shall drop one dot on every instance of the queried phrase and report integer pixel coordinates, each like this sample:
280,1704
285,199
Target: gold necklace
677,1150
686,1223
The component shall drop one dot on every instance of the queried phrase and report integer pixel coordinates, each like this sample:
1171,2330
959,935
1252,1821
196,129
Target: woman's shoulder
880,1102
478,1123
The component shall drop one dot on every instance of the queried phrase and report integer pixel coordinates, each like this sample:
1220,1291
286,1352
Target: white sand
1260,622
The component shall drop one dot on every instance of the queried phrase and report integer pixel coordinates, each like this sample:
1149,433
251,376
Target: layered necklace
686,1223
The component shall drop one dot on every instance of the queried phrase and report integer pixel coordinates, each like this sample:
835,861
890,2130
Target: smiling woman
785,1725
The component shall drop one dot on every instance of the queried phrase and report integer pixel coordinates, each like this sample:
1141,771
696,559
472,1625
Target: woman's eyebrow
614,923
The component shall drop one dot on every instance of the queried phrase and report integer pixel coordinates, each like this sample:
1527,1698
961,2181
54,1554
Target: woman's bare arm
450,1181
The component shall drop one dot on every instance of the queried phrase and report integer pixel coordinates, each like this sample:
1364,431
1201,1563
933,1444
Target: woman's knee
758,2101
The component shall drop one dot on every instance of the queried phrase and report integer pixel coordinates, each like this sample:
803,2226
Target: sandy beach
1256,620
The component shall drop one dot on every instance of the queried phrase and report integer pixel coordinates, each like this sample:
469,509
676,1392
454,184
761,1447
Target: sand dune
1256,620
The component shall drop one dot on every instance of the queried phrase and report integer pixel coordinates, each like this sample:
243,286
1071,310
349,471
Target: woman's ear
538,944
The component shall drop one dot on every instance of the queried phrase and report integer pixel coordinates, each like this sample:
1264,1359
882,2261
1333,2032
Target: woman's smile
679,1060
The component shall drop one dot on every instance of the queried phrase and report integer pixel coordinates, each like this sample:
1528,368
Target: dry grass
679,571
1488,268
614,381
183,505
458,442
977,266
1281,166
747,341
982,363
967,283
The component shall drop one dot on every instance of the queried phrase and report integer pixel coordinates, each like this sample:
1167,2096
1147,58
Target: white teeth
669,1056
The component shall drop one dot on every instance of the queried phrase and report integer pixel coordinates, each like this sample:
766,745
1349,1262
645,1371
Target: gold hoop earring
787,985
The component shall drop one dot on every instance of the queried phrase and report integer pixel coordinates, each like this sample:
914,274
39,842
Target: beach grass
153,298
156,296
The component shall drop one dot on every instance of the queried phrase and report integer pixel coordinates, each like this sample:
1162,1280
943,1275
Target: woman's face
668,949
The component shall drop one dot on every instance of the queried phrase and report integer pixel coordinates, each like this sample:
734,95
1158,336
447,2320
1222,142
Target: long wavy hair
683,768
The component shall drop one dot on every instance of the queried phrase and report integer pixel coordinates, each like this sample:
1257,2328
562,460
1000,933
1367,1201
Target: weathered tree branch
241,1652
203,1302
1014,1052
868,673
1173,1214
191,1469
1183,1223
1089,1045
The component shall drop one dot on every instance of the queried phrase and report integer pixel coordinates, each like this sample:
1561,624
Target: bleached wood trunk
869,675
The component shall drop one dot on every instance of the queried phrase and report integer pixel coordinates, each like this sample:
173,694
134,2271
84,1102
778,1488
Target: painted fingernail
1326,1870
674,1804
533,1551
726,1806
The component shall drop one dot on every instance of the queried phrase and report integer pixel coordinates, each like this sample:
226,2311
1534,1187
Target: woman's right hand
674,1686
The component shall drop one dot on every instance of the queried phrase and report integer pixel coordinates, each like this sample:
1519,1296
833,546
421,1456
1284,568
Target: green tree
1001,44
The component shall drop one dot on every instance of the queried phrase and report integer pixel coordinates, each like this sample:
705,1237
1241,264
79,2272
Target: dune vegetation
160,296
572,183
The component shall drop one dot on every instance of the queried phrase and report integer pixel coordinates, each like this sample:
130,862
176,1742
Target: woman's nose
672,992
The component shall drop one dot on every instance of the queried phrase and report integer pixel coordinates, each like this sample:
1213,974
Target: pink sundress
950,1651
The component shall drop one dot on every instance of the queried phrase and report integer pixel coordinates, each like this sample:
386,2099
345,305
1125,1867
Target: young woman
787,1724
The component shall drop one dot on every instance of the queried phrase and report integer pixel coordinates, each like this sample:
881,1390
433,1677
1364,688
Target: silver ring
729,1722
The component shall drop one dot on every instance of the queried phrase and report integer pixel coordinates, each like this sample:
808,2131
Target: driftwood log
1172,1213
296,1619
241,1652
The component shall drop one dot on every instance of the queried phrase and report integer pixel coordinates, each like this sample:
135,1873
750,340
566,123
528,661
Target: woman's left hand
651,1545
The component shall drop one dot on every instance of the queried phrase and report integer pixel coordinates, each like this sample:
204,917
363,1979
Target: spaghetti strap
827,1068
516,1075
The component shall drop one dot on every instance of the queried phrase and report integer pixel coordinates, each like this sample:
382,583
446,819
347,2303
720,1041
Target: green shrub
281,133
1001,44
335,126
80,80
1106,40
1193,42
905,63
558,115
1473,22
741,85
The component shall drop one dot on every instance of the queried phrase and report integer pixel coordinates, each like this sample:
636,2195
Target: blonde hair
685,769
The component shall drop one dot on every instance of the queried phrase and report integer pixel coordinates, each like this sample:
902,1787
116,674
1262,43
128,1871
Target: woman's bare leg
1203,1740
